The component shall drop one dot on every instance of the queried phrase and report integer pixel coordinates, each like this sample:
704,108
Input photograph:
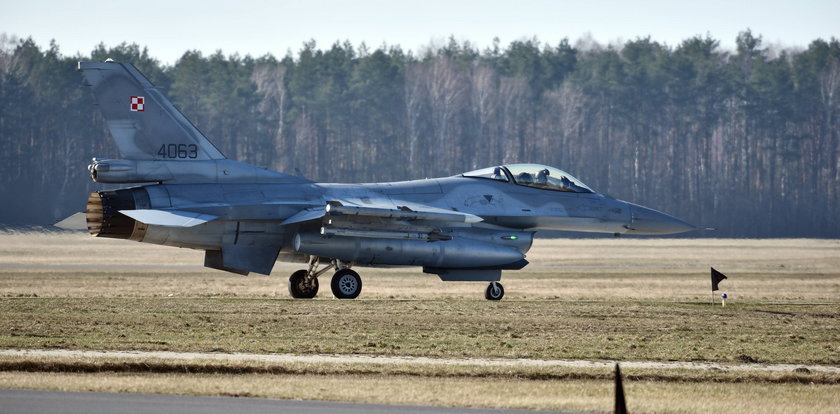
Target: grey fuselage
254,214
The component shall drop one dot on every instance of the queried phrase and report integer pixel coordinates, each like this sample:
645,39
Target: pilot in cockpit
569,185
498,174
542,176
566,183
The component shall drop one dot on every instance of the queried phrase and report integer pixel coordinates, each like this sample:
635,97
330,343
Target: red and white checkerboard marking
138,104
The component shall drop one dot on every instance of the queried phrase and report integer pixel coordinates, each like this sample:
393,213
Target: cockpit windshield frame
533,175
498,173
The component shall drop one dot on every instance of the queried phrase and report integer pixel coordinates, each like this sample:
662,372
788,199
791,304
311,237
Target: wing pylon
404,213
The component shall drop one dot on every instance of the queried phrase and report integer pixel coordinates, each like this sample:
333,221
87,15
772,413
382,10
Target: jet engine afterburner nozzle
104,218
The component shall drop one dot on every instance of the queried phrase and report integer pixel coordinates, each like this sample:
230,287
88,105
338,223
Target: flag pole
717,277
620,404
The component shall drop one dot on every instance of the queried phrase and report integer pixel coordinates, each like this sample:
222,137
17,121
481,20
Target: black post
620,406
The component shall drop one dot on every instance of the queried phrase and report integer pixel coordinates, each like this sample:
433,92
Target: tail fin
144,124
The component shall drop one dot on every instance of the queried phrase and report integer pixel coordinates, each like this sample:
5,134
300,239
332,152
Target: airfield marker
717,277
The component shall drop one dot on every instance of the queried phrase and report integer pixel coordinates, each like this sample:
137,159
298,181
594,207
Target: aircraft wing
169,218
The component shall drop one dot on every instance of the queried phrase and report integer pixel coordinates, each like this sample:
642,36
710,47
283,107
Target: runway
62,402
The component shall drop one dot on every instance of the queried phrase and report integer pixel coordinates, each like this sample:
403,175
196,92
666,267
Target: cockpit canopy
533,175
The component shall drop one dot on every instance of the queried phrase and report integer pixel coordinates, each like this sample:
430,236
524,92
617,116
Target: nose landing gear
495,291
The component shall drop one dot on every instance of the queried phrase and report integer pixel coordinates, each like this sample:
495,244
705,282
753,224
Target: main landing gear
346,283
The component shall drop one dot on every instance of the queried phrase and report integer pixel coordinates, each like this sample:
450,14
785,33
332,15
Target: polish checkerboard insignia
138,104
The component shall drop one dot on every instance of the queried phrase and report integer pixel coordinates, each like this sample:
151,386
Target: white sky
169,28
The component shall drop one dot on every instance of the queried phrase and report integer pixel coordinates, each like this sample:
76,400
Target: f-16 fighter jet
467,227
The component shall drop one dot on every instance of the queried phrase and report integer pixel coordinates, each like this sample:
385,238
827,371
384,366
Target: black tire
494,291
346,284
298,289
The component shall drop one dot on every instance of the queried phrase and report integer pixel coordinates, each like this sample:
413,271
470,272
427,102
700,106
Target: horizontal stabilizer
169,218
77,221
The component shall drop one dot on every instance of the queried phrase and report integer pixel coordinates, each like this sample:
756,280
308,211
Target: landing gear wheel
494,291
346,284
299,288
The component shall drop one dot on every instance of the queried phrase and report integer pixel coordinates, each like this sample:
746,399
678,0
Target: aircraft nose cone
645,220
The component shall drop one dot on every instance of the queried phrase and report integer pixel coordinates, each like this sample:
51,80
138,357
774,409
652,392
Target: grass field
594,299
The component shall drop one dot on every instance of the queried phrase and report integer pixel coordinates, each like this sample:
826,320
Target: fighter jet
467,227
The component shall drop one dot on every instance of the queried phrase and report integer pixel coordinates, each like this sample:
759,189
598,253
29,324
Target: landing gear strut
495,291
346,283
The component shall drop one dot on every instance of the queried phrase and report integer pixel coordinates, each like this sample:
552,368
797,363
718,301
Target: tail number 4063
178,151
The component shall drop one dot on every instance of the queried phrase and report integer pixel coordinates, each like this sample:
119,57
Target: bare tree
269,79
447,88
514,94
485,108
416,103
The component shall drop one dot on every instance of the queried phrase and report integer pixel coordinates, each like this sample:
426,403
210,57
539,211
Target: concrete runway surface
62,402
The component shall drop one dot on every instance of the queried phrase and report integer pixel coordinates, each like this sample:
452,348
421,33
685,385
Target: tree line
743,140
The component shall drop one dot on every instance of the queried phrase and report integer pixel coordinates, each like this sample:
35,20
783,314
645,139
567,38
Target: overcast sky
253,27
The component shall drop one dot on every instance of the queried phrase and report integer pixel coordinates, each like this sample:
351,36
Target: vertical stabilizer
144,124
